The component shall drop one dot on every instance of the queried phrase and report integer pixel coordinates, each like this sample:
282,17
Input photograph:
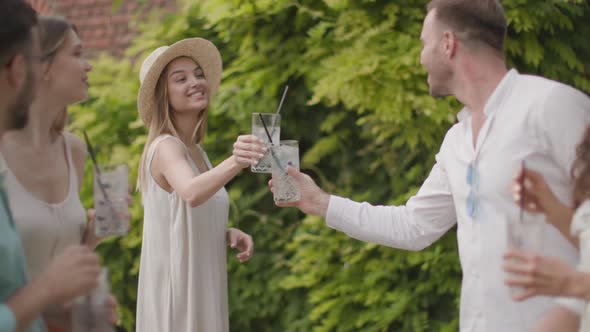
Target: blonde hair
53,33
163,122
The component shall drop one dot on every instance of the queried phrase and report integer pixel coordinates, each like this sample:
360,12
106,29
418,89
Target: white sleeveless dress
46,229
182,274
581,228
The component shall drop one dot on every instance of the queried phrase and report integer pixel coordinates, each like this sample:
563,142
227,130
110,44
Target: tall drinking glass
524,235
284,186
273,125
112,215
90,312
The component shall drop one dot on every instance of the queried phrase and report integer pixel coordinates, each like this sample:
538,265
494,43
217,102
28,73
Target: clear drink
112,215
525,235
273,124
90,312
284,187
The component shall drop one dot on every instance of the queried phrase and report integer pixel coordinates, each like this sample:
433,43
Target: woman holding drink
183,276
45,201
540,275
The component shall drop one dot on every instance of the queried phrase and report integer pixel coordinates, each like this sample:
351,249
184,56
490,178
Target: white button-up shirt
527,118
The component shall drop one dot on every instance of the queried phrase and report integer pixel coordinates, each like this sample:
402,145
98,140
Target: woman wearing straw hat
182,277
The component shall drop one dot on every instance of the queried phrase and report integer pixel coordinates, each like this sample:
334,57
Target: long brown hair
581,171
53,33
162,122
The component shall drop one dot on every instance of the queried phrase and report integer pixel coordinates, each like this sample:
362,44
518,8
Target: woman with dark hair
540,275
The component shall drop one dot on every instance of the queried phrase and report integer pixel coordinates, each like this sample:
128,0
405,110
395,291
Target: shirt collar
497,97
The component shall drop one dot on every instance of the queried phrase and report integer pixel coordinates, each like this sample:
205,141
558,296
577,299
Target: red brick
102,29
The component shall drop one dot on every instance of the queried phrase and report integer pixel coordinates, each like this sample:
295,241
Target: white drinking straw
282,99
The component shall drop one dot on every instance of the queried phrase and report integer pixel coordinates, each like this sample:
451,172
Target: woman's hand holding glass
535,196
248,150
535,274
90,239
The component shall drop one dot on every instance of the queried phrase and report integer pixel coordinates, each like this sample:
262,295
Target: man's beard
17,114
440,85
439,92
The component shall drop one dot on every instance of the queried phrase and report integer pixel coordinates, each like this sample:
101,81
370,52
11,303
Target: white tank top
46,229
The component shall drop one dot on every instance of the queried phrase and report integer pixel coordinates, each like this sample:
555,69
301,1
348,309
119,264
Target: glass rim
108,164
275,114
288,142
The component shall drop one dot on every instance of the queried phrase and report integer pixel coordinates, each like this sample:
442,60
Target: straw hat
201,50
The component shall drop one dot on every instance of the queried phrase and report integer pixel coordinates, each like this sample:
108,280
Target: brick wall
101,26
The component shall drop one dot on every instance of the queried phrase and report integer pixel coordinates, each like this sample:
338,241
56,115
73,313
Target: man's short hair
18,18
482,21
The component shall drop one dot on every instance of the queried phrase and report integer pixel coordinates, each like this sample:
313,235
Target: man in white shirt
507,118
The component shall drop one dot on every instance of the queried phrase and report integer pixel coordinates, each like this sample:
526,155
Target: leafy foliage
359,106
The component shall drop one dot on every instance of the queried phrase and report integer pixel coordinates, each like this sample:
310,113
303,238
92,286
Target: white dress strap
205,157
154,145
150,182
72,173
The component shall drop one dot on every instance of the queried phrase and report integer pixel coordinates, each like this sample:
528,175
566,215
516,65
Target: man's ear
16,71
449,44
